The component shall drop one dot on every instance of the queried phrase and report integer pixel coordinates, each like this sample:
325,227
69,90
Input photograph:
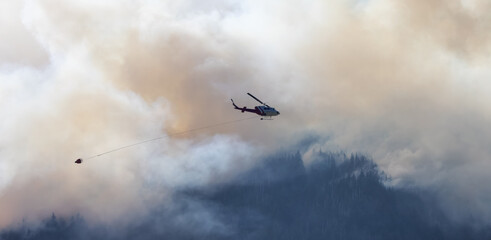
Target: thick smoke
403,82
70,108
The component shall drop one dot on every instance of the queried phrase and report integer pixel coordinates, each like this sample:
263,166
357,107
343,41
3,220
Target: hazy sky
406,82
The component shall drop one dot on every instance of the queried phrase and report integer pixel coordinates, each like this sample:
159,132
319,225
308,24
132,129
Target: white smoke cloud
405,83
69,109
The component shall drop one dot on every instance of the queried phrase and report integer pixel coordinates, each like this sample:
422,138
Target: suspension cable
170,135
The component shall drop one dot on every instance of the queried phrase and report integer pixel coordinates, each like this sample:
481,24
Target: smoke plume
404,82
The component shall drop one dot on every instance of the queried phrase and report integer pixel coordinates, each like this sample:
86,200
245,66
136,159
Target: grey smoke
406,83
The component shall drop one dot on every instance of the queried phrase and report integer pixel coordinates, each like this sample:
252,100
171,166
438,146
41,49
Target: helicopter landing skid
267,118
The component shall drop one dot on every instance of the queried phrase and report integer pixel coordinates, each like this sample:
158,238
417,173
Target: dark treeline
335,197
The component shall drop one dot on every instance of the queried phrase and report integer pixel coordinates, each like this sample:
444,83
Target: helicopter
264,110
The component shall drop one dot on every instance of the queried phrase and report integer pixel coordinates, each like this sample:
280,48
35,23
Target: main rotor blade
256,98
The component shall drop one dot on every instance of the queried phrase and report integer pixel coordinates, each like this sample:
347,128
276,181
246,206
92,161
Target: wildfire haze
403,82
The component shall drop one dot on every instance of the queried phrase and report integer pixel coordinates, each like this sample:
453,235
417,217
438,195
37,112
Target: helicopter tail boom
245,109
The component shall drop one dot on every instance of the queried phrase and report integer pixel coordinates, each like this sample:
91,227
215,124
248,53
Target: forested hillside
334,197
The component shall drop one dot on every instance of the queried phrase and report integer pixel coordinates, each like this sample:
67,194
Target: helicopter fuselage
266,111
